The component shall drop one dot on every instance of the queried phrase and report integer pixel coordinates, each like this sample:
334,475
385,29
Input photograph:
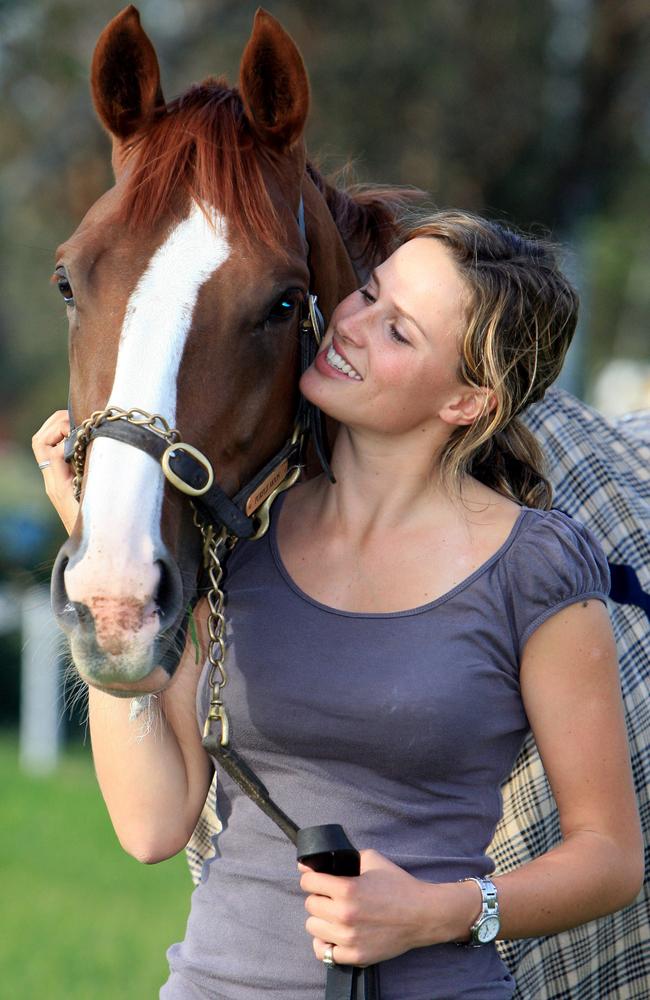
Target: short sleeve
554,562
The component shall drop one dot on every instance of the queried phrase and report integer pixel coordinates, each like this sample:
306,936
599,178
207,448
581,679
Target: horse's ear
125,78
273,83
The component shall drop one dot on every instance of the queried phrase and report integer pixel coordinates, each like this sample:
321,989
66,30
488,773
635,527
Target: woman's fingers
370,918
50,434
47,445
334,886
323,907
341,954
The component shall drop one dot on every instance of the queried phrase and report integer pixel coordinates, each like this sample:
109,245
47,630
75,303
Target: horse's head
183,286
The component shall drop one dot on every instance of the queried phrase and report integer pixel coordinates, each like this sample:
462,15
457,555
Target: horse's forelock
200,146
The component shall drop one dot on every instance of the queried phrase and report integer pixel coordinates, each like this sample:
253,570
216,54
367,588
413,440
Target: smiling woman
494,602
406,685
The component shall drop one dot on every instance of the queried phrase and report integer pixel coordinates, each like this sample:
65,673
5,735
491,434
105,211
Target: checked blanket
600,472
601,476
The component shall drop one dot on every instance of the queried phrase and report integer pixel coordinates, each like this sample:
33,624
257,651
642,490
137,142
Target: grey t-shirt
399,726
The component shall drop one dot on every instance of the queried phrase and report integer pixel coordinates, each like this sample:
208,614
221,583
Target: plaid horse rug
601,475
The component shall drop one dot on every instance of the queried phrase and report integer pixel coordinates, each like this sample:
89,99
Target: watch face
488,930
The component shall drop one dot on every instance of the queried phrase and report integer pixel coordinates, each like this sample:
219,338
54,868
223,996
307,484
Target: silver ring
328,957
44,465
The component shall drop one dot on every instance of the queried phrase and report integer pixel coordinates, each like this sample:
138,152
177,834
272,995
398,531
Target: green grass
79,919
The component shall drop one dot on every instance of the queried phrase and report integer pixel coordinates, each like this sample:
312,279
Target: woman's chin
318,390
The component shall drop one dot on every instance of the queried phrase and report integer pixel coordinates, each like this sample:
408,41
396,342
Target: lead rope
216,730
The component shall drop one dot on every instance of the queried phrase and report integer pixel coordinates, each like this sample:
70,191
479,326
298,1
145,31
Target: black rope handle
328,849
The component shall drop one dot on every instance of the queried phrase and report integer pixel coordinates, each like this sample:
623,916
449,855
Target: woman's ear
467,405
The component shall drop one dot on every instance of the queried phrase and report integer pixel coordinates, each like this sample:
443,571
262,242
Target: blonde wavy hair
521,317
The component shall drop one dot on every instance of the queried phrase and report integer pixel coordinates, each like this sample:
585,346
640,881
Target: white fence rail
41,703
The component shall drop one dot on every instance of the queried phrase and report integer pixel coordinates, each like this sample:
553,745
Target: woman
390,642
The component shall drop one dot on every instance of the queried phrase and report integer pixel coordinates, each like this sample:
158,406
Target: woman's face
389,359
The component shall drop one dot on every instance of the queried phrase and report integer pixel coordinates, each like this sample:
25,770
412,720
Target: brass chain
218,677
152,421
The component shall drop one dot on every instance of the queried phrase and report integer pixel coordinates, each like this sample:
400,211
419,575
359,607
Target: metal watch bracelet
486,927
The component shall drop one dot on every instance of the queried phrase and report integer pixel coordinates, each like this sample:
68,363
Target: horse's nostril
84,615
169,593
63,608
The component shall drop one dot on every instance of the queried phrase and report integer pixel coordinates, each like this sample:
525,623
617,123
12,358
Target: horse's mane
201,145
366,215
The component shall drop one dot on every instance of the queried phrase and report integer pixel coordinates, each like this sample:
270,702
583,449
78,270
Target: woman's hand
47,445
382,913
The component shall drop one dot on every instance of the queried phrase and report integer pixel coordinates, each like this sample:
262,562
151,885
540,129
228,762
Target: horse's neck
367,222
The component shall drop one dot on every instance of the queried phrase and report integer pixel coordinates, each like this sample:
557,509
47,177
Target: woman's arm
571,692
570,688
154,785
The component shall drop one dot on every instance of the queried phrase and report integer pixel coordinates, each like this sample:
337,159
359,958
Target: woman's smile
332,362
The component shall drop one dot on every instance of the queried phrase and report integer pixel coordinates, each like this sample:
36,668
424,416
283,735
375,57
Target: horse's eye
64,286
283,308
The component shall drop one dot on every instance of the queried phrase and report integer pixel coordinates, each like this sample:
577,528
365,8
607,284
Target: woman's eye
64,286
397,336
283,308
394,332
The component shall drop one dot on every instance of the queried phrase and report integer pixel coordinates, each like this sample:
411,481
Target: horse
185,286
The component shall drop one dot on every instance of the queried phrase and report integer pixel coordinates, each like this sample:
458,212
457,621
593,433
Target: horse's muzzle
122,641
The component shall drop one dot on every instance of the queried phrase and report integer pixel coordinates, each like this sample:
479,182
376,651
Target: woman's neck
381,484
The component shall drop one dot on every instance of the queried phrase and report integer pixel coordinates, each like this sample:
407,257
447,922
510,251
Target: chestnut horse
184,285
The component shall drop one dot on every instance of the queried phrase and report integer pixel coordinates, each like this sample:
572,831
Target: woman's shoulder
553,561
555,534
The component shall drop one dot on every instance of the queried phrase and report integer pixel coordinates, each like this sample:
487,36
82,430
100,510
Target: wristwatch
486,927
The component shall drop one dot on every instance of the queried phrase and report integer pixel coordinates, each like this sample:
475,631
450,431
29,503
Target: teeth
341,365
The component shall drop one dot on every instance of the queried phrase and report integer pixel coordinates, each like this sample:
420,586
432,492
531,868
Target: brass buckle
175,480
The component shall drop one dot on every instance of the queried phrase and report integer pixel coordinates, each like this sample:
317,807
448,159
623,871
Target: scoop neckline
441,599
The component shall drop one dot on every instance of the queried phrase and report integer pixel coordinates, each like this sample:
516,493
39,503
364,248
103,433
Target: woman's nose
351,326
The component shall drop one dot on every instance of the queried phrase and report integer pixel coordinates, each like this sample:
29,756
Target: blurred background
533,113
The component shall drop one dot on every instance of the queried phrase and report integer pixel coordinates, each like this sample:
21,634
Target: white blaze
123,497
